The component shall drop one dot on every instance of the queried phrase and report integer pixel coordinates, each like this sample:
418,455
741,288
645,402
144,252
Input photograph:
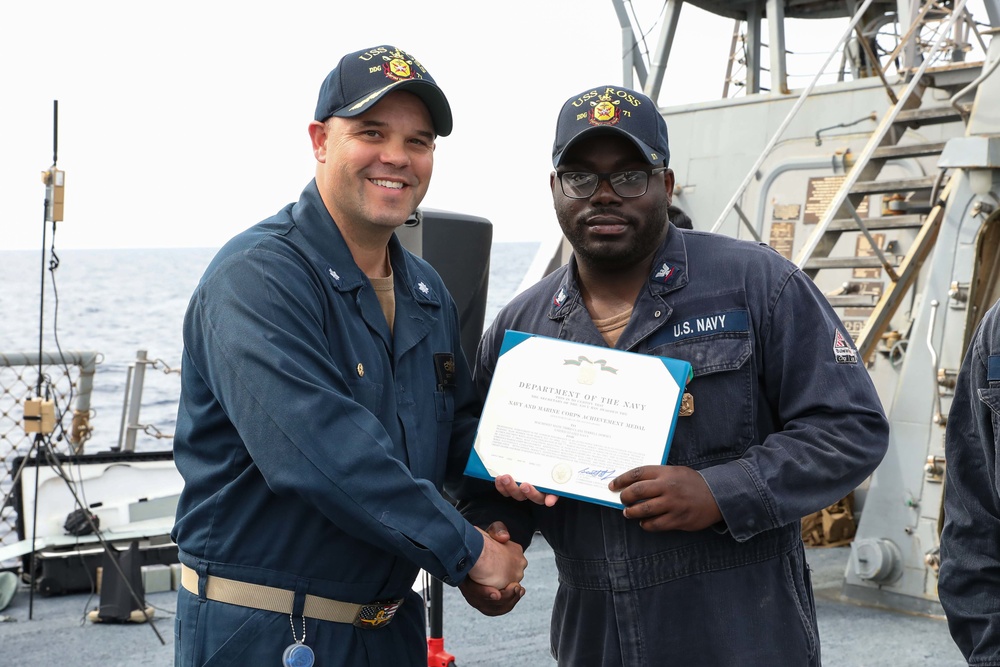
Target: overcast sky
182,123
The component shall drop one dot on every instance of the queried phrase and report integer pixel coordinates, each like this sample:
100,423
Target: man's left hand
484,598
667,498
487,599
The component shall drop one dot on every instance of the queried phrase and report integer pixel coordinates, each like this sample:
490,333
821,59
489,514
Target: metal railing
68,381
68,376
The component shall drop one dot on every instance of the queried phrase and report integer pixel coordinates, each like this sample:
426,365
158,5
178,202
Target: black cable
68,407
642,35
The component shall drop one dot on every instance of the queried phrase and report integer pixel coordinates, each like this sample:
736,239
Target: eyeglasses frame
606,176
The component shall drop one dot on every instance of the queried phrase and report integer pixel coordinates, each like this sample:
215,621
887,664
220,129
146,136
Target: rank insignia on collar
424,289
559,298
664,273
333,274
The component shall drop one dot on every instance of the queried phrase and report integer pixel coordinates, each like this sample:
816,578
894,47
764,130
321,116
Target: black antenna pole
45,219
55,131
39,438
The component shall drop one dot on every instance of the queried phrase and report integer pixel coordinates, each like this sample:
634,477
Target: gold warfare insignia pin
687,405
361,370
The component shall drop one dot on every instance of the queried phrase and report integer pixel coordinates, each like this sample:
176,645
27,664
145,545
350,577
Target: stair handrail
833,208
988,69
912,30
788,118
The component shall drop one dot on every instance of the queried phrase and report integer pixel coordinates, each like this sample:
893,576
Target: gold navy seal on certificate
569,417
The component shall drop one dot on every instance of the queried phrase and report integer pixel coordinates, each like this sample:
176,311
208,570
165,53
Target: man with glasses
705,565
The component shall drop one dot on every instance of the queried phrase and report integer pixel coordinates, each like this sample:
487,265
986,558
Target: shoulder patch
842,350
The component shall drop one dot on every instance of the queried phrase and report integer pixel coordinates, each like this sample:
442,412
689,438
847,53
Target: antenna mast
55,181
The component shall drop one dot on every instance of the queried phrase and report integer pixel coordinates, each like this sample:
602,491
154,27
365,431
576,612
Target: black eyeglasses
583,184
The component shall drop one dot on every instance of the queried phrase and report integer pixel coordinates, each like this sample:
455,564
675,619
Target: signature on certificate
598,473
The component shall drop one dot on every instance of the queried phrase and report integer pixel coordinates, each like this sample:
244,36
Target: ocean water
117,302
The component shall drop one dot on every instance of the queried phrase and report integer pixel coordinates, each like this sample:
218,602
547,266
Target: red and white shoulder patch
843,352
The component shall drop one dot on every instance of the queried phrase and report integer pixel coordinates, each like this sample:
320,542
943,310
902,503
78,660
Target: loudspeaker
458,247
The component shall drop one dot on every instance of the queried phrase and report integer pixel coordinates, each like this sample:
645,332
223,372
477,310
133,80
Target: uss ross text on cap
613,109
362,78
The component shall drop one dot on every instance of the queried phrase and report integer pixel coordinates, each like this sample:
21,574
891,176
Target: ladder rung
878,224
896,185
912,206
853,301
913,150
928,116
871,262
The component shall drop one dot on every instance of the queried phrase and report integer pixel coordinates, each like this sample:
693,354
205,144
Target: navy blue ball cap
362,78
613,109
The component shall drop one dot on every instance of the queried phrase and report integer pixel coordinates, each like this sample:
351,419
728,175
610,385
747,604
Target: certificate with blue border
569,417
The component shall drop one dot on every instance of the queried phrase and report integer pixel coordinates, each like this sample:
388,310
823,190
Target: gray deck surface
851,635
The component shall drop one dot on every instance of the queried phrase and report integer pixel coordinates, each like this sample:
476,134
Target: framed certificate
569,417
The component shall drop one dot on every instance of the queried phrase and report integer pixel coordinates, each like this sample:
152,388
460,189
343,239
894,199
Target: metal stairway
909,209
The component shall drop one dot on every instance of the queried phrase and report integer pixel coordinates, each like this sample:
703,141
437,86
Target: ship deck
851,635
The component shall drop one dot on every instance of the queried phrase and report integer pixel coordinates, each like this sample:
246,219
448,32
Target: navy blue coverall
969,578
313,443
786,421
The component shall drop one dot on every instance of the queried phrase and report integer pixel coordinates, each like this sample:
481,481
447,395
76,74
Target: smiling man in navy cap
324,401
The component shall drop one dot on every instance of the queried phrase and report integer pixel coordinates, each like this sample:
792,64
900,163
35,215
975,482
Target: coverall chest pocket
367,394
721,426
990,397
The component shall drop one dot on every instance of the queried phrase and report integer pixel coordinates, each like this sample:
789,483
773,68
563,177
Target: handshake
493,585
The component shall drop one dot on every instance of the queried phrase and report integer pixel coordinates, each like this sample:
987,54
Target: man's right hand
500,563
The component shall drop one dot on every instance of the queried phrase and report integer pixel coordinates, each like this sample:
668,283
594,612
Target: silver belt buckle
376,614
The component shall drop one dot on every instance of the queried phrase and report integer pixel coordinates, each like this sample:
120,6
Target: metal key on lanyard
298,654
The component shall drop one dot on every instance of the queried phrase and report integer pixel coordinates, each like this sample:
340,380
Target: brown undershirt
611,328
386,298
